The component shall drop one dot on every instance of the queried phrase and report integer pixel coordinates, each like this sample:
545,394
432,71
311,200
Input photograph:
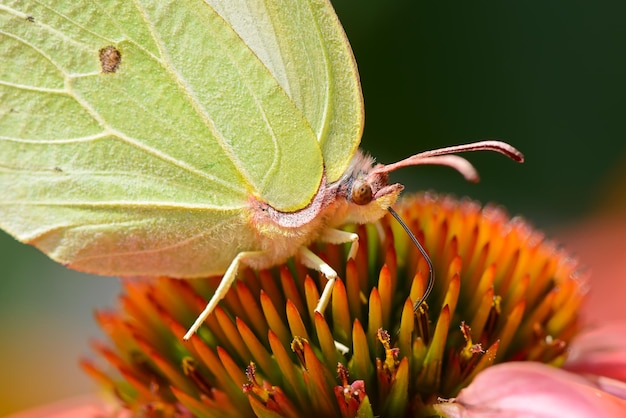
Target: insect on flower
187,138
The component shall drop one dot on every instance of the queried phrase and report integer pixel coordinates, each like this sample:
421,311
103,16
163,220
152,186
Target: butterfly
187,138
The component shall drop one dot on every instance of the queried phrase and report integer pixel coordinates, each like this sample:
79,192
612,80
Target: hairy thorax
279,235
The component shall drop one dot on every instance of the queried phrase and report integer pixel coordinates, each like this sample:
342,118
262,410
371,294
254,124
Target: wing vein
168,64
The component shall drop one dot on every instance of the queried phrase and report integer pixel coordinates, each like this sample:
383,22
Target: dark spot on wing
30,19
58,169
110,59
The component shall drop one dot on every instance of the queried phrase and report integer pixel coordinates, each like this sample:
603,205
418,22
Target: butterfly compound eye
361,192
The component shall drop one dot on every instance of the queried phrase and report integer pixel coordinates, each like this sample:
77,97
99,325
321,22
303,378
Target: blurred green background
548,77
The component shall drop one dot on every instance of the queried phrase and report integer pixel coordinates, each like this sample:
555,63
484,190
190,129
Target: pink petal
532,390
599,245
81,407
611,386
600,351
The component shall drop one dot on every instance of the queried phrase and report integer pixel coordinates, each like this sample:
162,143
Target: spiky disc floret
502,293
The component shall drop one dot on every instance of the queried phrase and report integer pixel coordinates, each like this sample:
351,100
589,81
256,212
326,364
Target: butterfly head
365,190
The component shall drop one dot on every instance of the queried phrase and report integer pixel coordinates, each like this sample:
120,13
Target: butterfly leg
337,236
222,289
312,261
309,259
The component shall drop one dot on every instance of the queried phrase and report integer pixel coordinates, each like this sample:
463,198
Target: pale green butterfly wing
148,163
305,48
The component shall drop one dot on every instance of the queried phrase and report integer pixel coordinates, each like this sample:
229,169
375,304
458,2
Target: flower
590,384
600,241
79,407
530,389
503,294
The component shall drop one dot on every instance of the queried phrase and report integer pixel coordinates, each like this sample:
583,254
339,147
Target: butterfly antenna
442,156
431,270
